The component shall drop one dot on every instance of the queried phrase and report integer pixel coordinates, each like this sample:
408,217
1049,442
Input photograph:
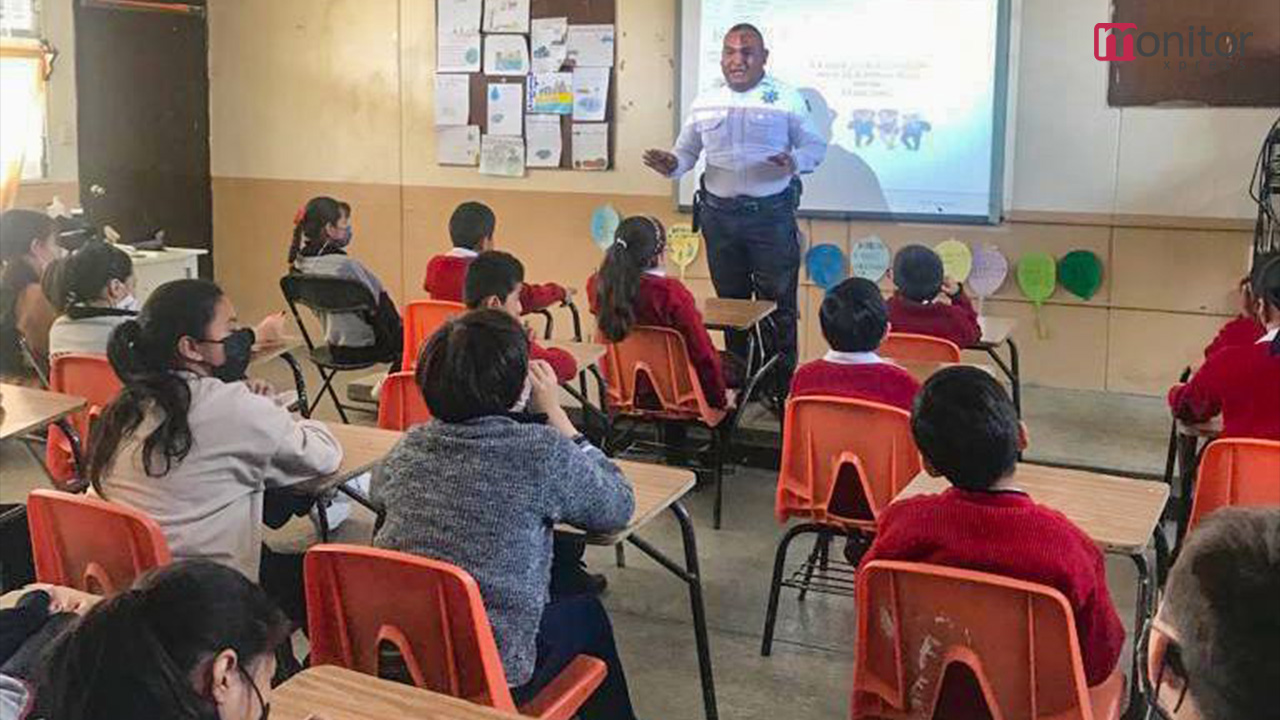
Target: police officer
758,138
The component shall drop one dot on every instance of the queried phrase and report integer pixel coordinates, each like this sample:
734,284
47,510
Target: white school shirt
740,130
209,505
852,358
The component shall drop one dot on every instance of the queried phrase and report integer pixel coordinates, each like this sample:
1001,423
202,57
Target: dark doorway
142,79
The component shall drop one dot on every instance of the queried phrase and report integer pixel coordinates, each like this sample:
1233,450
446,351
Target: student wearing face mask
28,244
322,232
194,447
190,641
92,290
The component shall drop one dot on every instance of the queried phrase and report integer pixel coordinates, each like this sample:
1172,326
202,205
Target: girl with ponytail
193,446
321,234
92,289
28,245
191,641
632,288
1242,382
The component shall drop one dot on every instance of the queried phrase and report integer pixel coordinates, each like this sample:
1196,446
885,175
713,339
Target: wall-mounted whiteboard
911,94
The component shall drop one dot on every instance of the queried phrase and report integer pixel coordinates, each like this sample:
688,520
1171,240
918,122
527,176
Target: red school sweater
561,361
666,302
1242,383
881,382
1009,534
447,274
1240,330
957,322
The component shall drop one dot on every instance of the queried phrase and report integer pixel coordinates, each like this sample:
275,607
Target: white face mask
525,394
128,302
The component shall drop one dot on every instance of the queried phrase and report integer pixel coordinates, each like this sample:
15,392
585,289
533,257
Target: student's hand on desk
270,330
259,387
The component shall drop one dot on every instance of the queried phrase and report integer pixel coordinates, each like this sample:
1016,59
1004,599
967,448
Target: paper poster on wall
506,55
502,156
682,246
590,146
506,109
590,46
604,225
826,265
1037,276
957,259
551,93
458,36
590,94
870,258
545,145
990,268
458,145
506,16
548,38
453,99
1080,272
458,16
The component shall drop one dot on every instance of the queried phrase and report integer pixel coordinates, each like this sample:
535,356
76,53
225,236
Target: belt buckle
751,206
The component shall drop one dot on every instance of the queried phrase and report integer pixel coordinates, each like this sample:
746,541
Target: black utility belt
749,205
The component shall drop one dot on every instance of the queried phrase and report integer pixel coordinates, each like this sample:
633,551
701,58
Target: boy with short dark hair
927,303
471,229
968,431
854,322
495,281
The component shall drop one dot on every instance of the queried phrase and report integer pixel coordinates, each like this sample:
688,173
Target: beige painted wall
335,96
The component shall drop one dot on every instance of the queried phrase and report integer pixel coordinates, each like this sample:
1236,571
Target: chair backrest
909,346
843,459
435,619
1236,471
656,359
325,295
90,544
930,635
92,378
400,403
421,320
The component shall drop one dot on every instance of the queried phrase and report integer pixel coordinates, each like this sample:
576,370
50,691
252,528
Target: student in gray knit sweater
484,483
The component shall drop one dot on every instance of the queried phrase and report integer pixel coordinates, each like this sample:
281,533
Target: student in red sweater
968,431
1241,382
927,303
494,281
854,322
1245,328
631,288
471,228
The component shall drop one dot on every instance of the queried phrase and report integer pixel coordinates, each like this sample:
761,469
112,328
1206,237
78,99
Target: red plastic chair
937,642
92,378
843,460
1236,471
421,319
436,621
400,403
909,346
90,544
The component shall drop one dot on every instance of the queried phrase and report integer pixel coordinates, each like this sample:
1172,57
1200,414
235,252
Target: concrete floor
809,673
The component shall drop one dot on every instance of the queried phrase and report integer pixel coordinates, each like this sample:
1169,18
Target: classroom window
23,112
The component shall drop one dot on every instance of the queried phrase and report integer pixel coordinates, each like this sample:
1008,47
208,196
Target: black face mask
237,349
1171,663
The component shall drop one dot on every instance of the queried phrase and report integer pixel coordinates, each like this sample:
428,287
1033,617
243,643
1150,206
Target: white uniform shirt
739,132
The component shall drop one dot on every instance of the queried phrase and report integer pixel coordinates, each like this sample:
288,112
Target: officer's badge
769,96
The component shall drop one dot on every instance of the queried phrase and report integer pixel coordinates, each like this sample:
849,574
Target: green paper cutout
1081,273
957,259
1037,276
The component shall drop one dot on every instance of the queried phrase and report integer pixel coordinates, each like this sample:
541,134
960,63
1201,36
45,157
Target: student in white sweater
194,448
92,290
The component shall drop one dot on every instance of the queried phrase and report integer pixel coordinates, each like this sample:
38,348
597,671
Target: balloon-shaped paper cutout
604,223
1081,273
990,268
957,260
870,258
826,265
682,246
1037,276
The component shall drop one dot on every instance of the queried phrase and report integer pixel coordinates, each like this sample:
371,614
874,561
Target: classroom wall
62,179
335,96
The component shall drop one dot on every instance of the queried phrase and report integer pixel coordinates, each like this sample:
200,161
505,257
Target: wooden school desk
587,357
922,370
283,349
746,316
335,693
26,409
362,449
997,331
1120,515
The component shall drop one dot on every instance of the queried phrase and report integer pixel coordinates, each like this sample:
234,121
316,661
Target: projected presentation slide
904,89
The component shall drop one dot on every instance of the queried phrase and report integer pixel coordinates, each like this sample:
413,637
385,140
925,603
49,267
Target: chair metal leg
775,584
333,395
620,554
818,557
717,460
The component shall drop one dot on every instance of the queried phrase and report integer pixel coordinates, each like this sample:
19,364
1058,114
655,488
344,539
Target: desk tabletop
362,448
1119,514
731,314
335,693
23,409
584,354
922,370
995,330
657,487
268,351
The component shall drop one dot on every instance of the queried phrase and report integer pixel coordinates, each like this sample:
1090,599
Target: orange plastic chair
421,319
1236,471
937,642
843,460
90,544
92,378
435,620
909,346
400,403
